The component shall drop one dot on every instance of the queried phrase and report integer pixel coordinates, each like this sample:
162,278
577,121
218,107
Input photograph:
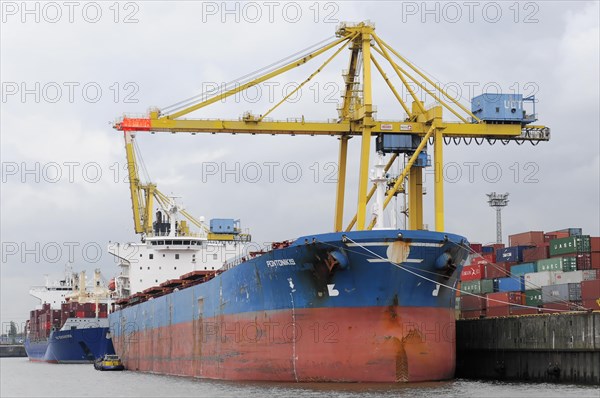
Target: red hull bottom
371,344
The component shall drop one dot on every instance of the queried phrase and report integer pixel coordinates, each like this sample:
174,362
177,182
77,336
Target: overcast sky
68,71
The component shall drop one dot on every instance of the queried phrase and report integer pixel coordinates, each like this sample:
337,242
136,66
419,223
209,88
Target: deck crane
410,136
144,194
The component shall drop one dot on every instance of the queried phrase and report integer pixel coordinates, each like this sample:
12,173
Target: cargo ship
367,303
373,305
359,306
71,323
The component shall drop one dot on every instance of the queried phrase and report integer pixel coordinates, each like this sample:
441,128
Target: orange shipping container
476,314
590,290
595,259
498,311
595,243
559,307
591,304
500,270
558,234
501,299
531,238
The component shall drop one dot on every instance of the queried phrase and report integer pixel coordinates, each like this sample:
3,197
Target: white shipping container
569,277
590,274
536,280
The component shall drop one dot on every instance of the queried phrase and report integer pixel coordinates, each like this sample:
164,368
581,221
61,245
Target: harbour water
21,378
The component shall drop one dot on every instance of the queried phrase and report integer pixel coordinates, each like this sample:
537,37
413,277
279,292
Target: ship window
174,267
163,255
148,267
140,267
151,256
159,267
212,267
214,256
193,256
177,257
177,242
141,254
186,242
169,242
156,281
497,110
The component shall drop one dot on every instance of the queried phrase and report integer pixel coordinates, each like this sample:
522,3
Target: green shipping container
533,297
569,264
570,245
550,264
487,286
478,286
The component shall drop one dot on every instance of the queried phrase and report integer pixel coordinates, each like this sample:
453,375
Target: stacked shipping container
539,272
46,319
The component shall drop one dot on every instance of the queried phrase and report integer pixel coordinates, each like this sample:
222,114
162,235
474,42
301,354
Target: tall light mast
498,201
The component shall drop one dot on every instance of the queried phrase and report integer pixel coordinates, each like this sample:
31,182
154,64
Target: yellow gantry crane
356,118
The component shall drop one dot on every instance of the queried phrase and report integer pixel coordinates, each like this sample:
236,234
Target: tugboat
109,362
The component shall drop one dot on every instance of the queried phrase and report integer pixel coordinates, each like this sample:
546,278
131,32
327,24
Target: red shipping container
531,238
560,307
558,234
595,260
536,253
472,272
471,303
500,299
591,304
549,237
496,246
475,314
583,261
595,243
590,290
482,259
498,311
516,310
476,247
499,270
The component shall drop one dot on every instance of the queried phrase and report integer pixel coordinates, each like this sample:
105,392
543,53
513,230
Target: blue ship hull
355,306
71,346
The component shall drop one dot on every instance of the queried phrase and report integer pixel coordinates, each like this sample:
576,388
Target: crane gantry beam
356,118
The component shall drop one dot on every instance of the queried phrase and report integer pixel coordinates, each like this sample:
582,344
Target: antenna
498,201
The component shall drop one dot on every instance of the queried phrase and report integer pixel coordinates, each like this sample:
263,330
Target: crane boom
356,119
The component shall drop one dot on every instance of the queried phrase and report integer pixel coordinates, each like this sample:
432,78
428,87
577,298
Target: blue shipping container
397,143
522,269
222,225
500,107
512,254
487,249
516,284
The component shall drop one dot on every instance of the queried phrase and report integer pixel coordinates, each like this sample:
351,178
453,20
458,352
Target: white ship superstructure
74,287
170,251
55,293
